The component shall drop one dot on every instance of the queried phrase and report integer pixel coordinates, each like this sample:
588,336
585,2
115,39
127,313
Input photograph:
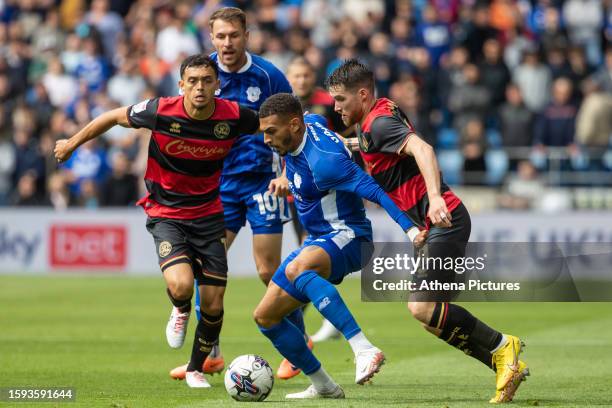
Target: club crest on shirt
297,180
253,93
164,249
221,130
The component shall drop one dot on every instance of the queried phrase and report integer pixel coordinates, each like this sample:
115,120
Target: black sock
183,305
462,330
206,335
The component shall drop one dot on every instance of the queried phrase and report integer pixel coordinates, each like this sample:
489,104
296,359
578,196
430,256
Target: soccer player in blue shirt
328,188
252,187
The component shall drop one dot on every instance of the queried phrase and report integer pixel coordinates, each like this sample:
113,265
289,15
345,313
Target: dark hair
282,104
352,74
199,60
228,14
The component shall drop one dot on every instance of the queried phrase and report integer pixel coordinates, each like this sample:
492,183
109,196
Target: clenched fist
63,150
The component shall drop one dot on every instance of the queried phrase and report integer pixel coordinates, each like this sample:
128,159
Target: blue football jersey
328,186
251,86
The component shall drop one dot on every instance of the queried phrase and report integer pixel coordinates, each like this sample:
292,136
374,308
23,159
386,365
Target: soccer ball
249,378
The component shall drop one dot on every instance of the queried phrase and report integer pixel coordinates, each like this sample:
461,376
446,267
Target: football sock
462,330
297,318
183,305
360,342
322,381
289,341
206,334
328,302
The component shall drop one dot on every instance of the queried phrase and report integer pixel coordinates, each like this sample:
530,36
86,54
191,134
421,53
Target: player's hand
420,239
438,212
63,150
279,186
417,237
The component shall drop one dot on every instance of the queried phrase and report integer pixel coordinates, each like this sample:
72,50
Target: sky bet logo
17,246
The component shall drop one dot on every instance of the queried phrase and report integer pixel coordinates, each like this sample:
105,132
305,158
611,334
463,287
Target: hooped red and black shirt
186,155
382,136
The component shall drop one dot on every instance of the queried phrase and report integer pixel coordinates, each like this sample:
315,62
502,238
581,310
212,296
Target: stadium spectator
7,162
479,31
126,86
61,87
552,33
516,121
176,36
27,194
434,34
88,194
407,96
58,195
27,150
584,21
555,126
121,187
534,79
473,147
521,191
594,119
494,73
603,76
469,100
108,23
89,162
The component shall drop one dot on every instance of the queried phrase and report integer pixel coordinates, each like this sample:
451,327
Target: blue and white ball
249,378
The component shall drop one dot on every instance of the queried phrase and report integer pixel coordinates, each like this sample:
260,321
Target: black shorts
442,244
199,242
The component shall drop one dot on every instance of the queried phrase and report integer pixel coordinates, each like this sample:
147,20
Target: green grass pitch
105,337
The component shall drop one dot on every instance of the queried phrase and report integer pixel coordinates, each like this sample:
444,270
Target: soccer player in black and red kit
407,169
191,135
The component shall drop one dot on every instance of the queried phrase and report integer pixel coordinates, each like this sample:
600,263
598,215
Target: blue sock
197,300
291,344
328,302
297,318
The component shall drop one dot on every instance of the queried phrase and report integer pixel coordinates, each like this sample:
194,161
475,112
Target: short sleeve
389,133
280,84
249,121
143,114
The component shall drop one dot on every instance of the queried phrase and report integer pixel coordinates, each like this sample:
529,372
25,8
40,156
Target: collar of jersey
244,68
301,146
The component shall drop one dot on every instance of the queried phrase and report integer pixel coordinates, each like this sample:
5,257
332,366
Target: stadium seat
451,165
447,139
497,166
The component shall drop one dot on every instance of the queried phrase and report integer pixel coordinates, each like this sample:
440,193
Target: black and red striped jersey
382,136
186,155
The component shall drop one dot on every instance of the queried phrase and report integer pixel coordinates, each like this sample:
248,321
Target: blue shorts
246,197
347,255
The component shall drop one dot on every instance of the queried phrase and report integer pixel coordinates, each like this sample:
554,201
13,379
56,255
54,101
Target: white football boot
368,363
312,393
196,379
177,328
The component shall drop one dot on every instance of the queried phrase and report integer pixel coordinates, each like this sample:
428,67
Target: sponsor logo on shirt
179,147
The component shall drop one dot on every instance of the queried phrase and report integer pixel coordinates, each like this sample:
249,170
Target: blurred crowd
502,88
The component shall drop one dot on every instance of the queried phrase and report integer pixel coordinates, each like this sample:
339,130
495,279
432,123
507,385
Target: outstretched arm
65,147
341,173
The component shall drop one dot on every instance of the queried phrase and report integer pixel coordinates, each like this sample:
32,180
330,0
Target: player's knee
294,269
266,269
421,310
180,288
212,305
264,319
